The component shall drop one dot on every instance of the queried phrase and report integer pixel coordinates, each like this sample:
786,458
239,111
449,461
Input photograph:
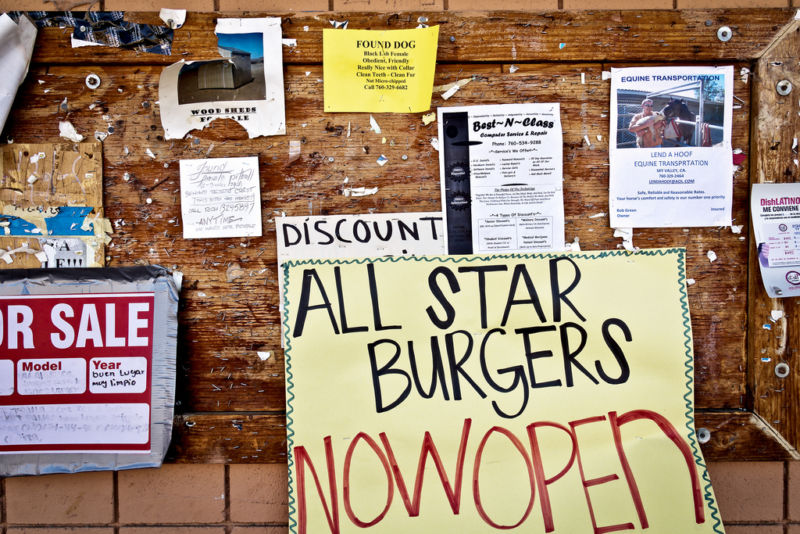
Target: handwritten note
118,375
59,424
220,197
57,376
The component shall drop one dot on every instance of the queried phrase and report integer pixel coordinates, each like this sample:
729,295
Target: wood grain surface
230,402
775,126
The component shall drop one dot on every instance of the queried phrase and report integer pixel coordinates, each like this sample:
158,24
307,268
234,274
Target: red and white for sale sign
75,372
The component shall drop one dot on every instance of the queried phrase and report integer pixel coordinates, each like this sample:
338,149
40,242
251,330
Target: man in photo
648,126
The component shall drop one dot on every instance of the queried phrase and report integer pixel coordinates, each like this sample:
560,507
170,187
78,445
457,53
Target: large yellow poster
471,394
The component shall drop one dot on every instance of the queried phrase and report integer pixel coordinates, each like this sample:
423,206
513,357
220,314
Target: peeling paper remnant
690,281
446,87
435,143
264,355
373,125
106,28
382,160
294,150
744,74
173,18
359,191
712,256
234,271
454,87
776,315
67,130
8,255
289,42
736,228
627,238
429,118
575,246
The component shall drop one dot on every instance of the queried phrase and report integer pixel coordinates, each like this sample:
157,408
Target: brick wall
754,497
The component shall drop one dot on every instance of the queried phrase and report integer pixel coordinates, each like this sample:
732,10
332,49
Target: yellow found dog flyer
670,150
473,394
387,71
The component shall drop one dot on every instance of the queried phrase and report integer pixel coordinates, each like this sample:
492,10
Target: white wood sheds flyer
244,84
670,147
501,173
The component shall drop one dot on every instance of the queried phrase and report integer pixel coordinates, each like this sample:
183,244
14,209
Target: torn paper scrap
294,150
173,18
359,191
67,130
446,87
379,71
575,246
245,84
16,48
627,238
106,28
373,125
451,88
429,118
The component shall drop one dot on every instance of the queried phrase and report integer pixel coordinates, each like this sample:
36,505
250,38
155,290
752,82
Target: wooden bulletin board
230,401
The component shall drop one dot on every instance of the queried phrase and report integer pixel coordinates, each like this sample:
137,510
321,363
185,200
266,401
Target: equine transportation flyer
670,147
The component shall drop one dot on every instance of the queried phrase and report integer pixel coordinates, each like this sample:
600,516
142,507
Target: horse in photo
677,131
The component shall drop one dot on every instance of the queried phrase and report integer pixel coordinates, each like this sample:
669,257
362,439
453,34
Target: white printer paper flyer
670,147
